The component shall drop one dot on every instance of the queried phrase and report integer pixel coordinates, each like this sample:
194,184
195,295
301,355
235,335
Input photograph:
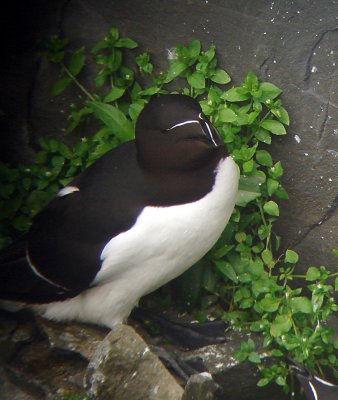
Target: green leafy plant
245,271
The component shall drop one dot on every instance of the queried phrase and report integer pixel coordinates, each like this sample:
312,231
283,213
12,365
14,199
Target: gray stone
10,391
237,380
31,367
200,387
75,337
123,367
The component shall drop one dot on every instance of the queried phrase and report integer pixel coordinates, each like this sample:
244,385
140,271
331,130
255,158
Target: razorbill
137,218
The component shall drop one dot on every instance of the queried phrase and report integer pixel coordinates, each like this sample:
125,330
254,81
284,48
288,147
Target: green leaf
254,358
269,90
21,223
59,86
263,157
114,94
150,91
269,304
220,77
194,48
227,115
276,171
248,166
114,60
251,81
312,274
291,257
227,270
282,115
336,284
252,117
271,208
301,304
114,33
210,279
277,353
272,186
102,44
126,42
58,161
135,109
235,94
267,256
280,325
77,61
317,301
196,80
281,193
263,135
273,126
101,78
249,189
280,380
114,119
263,382
176,67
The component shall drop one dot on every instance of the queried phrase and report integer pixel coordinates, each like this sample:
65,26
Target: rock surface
201,386
45,360
124,368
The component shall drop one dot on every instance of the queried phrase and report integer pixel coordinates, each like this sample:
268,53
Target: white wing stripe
36,272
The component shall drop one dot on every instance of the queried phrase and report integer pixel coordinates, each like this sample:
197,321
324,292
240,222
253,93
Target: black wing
18,281
60,256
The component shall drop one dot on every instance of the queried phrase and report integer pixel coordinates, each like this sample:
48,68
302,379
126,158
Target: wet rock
10,391
31,367
236,380
16,330
201,387
75,337
124,368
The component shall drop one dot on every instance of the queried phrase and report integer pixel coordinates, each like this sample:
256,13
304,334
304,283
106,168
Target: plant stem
79,85
265,116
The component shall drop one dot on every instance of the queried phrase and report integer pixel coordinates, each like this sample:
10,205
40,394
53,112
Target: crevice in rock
322,127
331,210
296,14
264,67
321,98
308,63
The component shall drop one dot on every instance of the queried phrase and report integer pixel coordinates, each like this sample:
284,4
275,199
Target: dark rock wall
290,43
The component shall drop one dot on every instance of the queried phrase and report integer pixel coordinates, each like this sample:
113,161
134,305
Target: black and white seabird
137,218
315,388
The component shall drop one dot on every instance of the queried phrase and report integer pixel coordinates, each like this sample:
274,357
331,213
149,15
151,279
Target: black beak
210,131
315,388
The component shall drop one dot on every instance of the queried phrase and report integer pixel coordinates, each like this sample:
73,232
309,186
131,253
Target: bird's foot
187,336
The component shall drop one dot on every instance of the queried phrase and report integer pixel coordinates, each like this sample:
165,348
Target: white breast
162,244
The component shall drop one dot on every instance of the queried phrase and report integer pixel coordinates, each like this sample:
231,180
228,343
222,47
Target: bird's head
173,133
315,388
